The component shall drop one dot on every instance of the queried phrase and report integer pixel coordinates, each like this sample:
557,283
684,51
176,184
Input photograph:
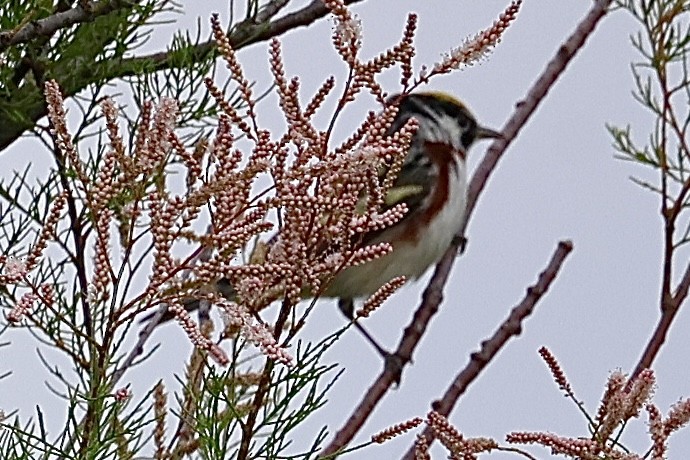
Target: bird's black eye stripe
448,108
427,108
432,109
408,108
468,136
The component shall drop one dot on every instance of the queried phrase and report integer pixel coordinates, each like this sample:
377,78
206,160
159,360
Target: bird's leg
392,362
347,306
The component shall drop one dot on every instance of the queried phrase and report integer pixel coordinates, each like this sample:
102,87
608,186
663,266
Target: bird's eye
468,135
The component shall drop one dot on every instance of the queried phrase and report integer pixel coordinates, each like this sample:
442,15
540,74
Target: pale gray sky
558,180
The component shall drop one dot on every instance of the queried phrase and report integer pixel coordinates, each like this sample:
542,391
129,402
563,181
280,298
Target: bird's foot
461,242
394,364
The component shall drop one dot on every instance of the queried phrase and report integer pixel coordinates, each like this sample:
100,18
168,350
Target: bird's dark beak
486,133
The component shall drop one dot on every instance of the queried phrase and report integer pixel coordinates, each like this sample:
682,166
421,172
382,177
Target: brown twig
79,233
670,306
46,27
245,33
524,110
433,295
511,327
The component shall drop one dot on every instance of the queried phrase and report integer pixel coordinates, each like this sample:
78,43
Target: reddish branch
670,306
247,32
243,34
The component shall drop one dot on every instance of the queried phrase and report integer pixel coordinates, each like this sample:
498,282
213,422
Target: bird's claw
461,242
393,364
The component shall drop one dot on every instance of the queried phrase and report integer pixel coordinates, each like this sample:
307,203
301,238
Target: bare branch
245,33
683,287
670,306
46,27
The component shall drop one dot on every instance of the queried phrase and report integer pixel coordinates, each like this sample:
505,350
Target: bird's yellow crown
444,97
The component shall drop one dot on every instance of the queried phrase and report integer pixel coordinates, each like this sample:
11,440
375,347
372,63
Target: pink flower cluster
622,401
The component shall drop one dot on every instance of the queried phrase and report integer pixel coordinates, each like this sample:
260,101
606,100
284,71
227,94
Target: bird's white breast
409,258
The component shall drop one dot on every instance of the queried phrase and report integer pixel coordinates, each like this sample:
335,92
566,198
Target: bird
434,175
436,168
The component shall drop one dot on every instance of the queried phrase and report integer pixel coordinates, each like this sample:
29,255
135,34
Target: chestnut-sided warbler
436,166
